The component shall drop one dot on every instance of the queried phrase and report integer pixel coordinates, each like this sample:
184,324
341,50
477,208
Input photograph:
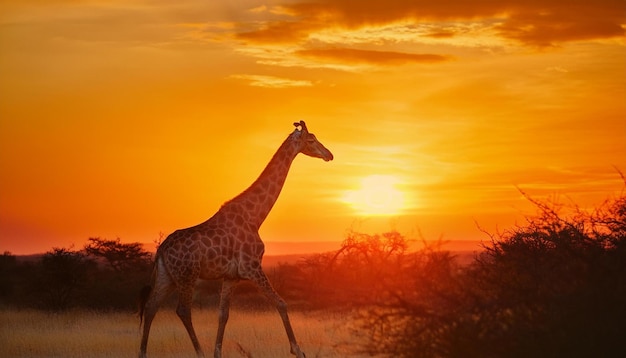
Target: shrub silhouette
554,287
350,277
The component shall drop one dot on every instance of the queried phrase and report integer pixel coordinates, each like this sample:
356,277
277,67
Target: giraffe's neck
257,201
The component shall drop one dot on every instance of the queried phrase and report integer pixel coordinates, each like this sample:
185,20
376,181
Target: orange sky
130,118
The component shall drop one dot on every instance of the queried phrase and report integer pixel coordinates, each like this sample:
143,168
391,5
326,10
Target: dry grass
88,334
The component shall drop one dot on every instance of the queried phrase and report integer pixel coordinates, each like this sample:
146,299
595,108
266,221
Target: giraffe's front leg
261,280
295,350
281,306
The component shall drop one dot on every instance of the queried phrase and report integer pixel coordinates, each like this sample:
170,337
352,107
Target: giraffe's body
227,246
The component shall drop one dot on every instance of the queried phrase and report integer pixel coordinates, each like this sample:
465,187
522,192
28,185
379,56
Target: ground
30,333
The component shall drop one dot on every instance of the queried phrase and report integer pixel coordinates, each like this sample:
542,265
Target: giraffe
227,246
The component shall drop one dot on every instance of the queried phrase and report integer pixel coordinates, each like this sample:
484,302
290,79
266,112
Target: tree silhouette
61,278
119,256
123,267
8,270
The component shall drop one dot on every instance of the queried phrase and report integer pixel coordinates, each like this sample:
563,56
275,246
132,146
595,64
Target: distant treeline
105,274
554,287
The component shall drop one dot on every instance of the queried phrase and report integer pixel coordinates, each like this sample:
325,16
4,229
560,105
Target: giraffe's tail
144,294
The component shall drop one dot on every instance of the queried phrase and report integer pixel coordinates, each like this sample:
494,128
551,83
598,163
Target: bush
552,288
353,276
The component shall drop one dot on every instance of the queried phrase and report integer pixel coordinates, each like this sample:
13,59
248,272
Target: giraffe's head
309,145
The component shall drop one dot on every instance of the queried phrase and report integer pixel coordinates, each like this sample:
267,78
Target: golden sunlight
377,196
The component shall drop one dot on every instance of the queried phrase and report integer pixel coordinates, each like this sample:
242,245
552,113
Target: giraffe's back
212,250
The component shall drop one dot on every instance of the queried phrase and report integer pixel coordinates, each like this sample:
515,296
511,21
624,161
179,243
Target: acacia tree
119,256
60,280
124,267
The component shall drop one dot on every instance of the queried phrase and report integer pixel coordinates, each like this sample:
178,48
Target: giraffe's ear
302,126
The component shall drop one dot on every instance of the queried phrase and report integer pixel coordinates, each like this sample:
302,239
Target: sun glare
376,196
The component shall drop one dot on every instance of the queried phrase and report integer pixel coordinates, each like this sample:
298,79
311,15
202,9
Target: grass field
30,333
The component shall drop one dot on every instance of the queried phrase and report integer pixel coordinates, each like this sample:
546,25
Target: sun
378,195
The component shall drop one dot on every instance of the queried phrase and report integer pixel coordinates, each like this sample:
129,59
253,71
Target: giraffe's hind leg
163,287
227,290
185,298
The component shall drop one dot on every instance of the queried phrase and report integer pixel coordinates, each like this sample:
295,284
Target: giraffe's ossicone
227,246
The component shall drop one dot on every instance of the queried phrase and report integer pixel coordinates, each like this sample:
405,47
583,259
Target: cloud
272,82
534,22
262,8
349,55
556,25
478,34
279,32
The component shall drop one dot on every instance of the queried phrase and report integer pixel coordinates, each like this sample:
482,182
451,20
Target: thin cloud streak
347,55
272,81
